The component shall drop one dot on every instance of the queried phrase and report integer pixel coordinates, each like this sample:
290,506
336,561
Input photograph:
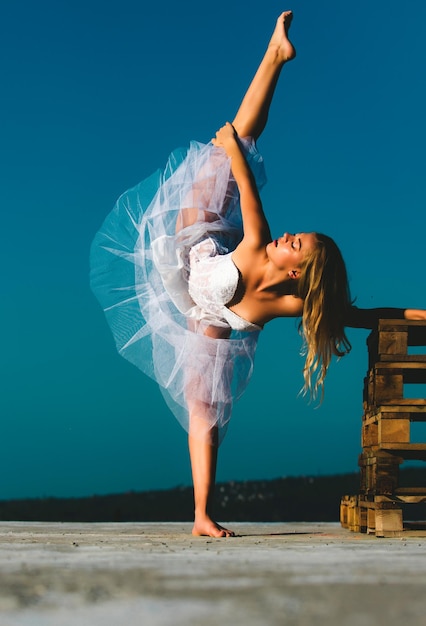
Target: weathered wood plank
388,521
394,343
406,447
421,402
394,431
414,412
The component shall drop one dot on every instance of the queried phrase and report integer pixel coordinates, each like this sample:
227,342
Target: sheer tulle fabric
140,265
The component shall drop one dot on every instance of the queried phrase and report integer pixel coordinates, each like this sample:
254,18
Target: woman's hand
226,138
415,314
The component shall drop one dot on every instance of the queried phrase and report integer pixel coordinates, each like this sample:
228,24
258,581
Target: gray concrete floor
54,574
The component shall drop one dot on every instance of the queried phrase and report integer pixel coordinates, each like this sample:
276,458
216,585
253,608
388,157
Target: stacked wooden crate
386,429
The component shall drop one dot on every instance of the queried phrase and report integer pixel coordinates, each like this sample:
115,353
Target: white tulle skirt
155,323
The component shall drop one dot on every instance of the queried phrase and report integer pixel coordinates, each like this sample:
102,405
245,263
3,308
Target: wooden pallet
393,339
381,515
386,432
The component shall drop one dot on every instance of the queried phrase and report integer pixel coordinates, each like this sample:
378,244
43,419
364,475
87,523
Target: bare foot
280,41
206,527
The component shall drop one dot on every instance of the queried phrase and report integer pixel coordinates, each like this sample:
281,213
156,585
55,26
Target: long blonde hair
323,285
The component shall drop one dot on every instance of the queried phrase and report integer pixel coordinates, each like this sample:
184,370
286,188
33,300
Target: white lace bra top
213,281
203,292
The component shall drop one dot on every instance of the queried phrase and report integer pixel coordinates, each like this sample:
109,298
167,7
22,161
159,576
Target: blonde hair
323,285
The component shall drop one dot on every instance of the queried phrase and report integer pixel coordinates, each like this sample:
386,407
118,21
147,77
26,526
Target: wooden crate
382,515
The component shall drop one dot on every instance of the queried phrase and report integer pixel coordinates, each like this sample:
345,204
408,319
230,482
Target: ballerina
188,274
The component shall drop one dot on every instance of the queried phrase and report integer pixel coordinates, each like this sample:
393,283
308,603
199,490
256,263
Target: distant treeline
290,499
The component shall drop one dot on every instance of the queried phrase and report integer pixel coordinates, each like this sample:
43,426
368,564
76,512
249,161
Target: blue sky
95,96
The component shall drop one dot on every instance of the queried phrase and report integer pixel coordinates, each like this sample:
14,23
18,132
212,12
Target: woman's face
288,252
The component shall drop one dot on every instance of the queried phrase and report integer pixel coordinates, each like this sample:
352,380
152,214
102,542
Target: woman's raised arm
255,225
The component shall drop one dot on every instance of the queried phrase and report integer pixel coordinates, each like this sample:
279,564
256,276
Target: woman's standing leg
203,448
203,463
250,120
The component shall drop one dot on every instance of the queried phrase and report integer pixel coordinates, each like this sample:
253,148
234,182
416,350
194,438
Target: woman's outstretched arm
368,318
256,228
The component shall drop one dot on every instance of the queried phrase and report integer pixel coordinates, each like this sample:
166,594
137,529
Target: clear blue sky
94,97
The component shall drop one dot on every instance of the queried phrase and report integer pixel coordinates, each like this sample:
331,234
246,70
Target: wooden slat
415,411
404,495
379,416
415,358
410,499
392,343
369,435
404,402
400,365
394,431
403,325
412,451
388,522
387,386
421,447
411,490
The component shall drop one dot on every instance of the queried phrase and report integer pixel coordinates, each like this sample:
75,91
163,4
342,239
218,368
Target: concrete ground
54,574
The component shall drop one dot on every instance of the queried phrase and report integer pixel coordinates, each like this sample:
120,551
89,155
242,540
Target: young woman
188,274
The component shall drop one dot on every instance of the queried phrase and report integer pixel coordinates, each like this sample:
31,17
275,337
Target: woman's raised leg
252,114
250,121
